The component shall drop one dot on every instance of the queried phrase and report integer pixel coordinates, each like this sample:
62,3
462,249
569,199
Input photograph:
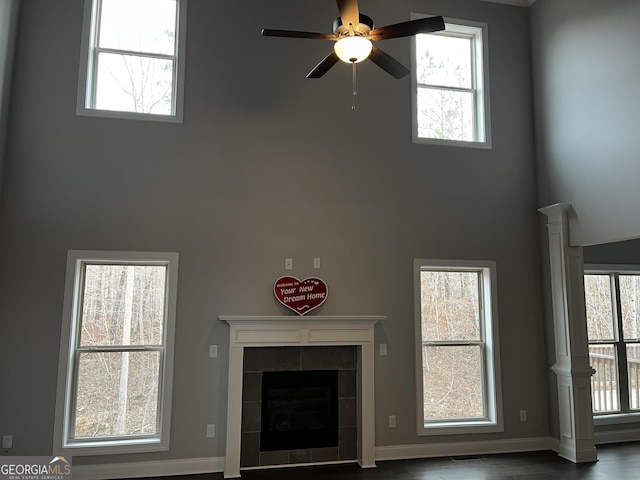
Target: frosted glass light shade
353,49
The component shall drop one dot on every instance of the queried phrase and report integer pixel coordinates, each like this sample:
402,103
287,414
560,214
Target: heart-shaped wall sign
301,296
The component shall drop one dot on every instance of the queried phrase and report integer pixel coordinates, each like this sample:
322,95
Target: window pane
117,394
130,83
444,61
450,308
445,114
604,383
452,377
629,304
598,302
633,374
138,25
123,305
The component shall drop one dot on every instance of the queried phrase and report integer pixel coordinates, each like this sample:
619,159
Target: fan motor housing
362,29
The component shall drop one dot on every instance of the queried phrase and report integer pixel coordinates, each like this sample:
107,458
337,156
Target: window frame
85,104
456,27
493,420
67,363
625,414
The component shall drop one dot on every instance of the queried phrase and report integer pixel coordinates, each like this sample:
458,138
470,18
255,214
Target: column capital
556,211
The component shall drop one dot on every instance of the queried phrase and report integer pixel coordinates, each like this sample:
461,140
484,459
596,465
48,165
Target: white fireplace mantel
284,331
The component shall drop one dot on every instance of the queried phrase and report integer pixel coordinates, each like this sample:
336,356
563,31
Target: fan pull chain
354,85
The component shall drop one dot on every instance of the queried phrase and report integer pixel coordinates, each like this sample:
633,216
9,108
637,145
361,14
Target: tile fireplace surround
286,331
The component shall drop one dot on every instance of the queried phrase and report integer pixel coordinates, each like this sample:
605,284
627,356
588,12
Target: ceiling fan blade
388,63
349,12
324,66
406,29
268,32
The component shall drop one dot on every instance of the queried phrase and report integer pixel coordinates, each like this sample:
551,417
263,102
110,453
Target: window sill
90,112
113,447
460,428
451,143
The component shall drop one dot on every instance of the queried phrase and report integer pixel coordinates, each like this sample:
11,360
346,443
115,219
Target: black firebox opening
299,410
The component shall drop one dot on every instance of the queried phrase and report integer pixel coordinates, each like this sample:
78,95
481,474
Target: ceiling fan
354,35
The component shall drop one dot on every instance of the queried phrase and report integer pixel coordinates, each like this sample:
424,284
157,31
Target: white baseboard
190,466
617,436
159,468
428,450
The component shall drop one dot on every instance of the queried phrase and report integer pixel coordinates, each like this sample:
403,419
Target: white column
572,367
366,409
234,412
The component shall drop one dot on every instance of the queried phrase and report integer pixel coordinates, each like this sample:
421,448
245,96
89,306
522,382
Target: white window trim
494,421
482,87
64,395
613,418
86,70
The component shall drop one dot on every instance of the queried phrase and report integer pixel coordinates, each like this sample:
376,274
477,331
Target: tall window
114,387
132,62
612,300
458,367
451,100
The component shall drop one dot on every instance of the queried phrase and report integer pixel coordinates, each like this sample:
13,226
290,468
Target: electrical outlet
523,415
316,263
383,349
7,442
211,430
392,421
288,263
213,351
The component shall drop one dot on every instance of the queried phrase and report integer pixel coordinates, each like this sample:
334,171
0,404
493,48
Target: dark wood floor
616,462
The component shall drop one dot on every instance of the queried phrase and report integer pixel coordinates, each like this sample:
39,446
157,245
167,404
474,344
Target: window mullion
621,348
462,343
445,87
120,348
134,53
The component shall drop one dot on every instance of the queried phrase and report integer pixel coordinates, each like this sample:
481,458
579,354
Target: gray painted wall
266,165
620,253
586,66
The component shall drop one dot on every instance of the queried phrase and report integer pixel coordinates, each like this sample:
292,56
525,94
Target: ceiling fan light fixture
353,49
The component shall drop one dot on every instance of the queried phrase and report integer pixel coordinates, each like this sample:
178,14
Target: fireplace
299,410
248,335
301,376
